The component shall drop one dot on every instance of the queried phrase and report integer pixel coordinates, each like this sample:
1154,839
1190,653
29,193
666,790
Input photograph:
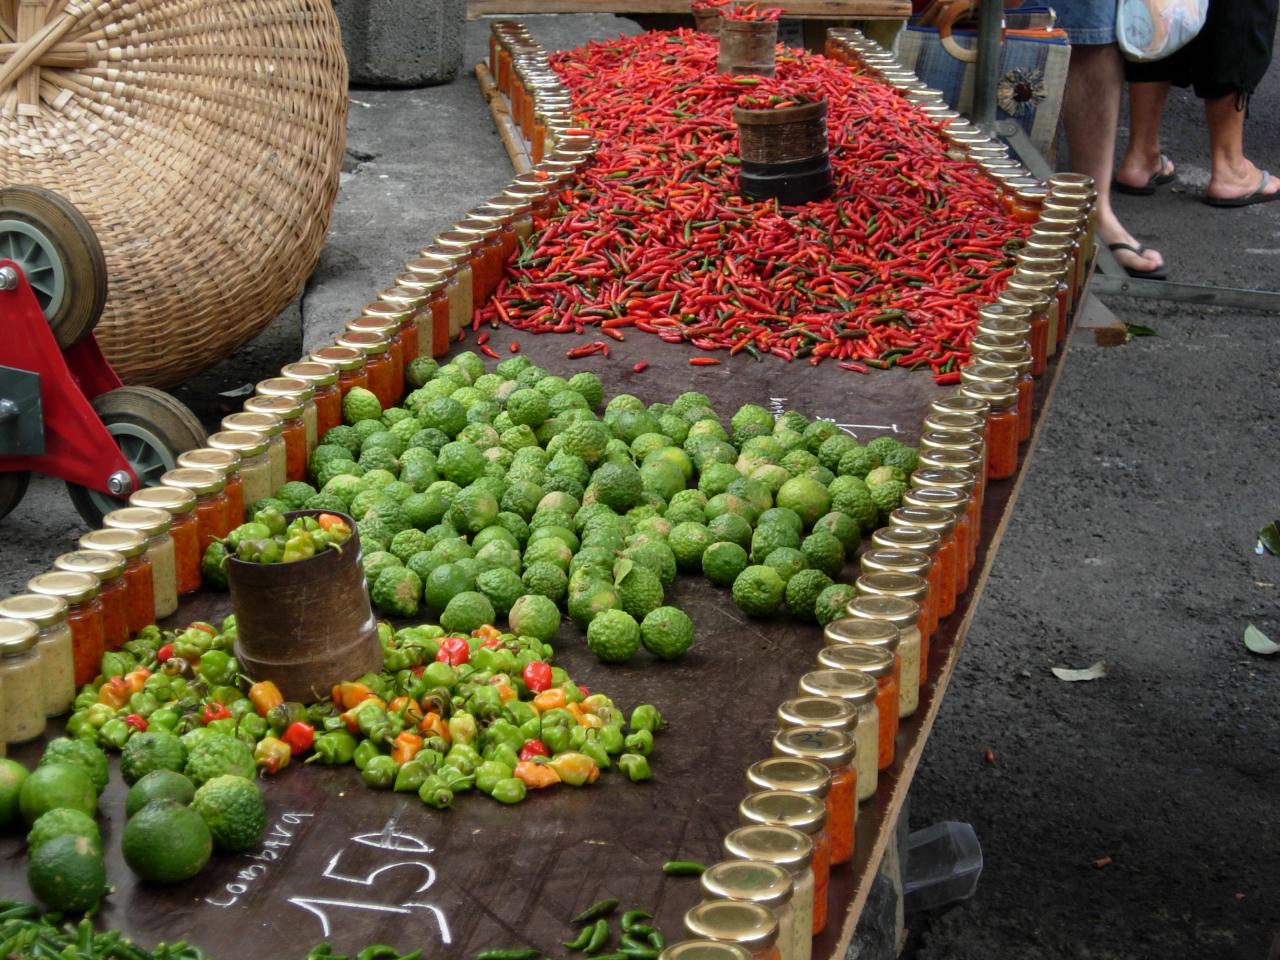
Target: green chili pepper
364,752
379,951
638,953
633,917
601,908
462,728
599,937
596,751
434,793
489,773
411,776
216,668
656,940
556,739
114,733
581,940
640,742
439,674
333,748
523,954
380,772
611,738
647,717
272,519
510,790
683,868
252,725
635,766
98,714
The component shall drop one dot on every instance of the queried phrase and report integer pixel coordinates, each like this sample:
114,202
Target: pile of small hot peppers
445,715
636,938
270,537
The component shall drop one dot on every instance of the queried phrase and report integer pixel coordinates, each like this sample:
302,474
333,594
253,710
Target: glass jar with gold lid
956,502
403,309
903,586
882,666
1017,364
253,469
53,640
269,427
154,525
835,749
435,287
817,712
377,363
108,567
416,332
748,925
326,397
963,480
304,392
798,774
226,462
84,617
942,524
519,210
139,593
350,365
910,563
1002,425
763,883
213,511
388,327
917,541
470,245
22,716
700,949
1039,304
860,693
183,531
786,808
904,645
788,848
892,598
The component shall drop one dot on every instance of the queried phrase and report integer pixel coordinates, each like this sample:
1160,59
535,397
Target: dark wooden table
354,866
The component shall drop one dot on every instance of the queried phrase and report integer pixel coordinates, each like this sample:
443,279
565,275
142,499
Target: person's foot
1132,256
1244,181
1141,174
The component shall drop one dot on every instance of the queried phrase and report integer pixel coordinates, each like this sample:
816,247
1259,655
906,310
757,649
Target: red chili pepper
533,748
164,653
483,338
640,367
537,676
208,628
488,351
215,711
515,346
454,651
136,721
703,362
299,736
492,643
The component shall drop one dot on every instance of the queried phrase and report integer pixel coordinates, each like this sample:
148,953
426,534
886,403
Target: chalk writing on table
778,406
277,843
379,882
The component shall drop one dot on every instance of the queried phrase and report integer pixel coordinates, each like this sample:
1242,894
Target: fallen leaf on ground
1259,642
1094,672
1269,537
1132,330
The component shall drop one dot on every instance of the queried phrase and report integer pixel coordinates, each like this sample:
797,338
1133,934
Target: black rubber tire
13,486
75,245
162,424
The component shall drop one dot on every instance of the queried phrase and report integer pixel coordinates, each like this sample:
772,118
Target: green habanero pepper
164,720
160,687
98,714
572,692
435,793
519,712
455,779
504,732
409,684
640,742
555,739
484,703
318,713
635,766
79,728
411,776
247,531
462,728
85,699
333,748
596,751
114,665
275,521
253,726
464,757
380,772
509,790
504,755
577,738
489,773
558,717
365,751
530,730
226,725
242,708
143,704
439,674
647,717
610,737
298,547
216,668
114,733
482,659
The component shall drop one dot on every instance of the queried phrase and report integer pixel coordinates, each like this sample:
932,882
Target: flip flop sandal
1157,179
1256,195
1156,274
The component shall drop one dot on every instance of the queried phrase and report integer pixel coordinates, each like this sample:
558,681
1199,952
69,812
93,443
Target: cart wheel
61,256
151,428
12,488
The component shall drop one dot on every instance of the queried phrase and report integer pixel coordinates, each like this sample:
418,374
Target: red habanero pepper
537,676
214,711
299,736
515,346
640,367
534,748
164,653
137,722
454,651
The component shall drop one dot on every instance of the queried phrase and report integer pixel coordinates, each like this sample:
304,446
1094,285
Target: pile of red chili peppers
654,235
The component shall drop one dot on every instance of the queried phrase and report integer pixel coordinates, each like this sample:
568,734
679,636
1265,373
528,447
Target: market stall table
355,866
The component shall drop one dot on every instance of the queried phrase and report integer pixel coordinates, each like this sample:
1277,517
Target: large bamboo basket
202,140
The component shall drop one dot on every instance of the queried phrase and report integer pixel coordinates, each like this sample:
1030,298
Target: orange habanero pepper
536,776
550,699
264,695
405,747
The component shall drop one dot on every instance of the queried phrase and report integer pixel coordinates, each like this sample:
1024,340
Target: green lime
360,404
56,785
165,842
158,785
666,632
534,616
805,496
758,590
67,873
722,562
467,611
12,776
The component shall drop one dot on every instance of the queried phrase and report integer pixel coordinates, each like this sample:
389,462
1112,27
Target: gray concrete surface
402,43
1131,543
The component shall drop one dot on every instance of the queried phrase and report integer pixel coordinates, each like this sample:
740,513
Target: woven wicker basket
202,140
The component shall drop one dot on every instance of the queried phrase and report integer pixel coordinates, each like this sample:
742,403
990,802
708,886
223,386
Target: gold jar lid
1041,276
146,520
405,298
1067,178
291,387
383,326
1017,362
127,543
1061,218
978,372
915,538
1047,245
969,461
1005,319
1055,228
835,748
366,341
1032,296
785,846
17,637
525,192
340,358
816,712
1038,283
950,478
202,483
1076,205
225,462
847,630
456,239
783,808
958,403
1001,396
511,206
441,262
748,881
387,312
734,921
43,611
103,564
895,560
72,587
890,583
941,522
985,343
244,443
870,662
534,178
951,440
797,774
999,162
427,283
854,687
699,949
954,421
1039,259
260,422
489,216
940,498
286,408
170,499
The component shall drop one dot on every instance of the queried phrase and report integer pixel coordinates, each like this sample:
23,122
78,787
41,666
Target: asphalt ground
1127,817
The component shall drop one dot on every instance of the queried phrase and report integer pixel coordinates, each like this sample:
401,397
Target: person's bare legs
1234,175
1092,110
1141,160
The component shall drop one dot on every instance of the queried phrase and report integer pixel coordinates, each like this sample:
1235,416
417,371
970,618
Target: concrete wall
402,43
